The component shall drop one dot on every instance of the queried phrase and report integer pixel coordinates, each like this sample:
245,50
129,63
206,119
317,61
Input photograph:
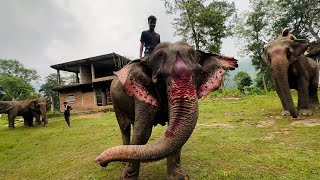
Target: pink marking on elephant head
213,83
133,88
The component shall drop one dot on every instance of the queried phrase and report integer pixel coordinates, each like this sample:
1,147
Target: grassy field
234,139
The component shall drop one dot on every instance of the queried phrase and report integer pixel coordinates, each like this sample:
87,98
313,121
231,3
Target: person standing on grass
149,38
66,113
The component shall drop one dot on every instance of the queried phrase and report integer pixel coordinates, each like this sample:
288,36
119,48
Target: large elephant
163,88
290,69
28,109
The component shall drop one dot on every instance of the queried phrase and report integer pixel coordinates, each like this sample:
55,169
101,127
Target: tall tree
51,81
15,88
254,28
200,23
242,79
11,67
301,16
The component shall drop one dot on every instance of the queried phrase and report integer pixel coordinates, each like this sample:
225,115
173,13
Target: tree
255,30
303,19
14,68
51,81
242,79
202,25
301,16
14,88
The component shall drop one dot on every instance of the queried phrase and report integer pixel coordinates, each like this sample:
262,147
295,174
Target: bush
54,114
253,90
225,93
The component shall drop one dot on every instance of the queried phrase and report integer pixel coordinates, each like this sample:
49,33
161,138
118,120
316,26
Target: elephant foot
285,113
130,173
316,106
177,174
305,112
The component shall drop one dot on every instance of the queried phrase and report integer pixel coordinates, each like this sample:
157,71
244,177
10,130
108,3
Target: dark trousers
67,118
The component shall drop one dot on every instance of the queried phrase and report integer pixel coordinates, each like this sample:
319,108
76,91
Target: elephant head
281,56
38,108
4,106
175,76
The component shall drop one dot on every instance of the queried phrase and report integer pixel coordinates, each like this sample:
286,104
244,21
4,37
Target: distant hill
244,65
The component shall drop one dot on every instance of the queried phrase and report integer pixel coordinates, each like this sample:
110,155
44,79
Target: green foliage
241,138
301,16
200,23
255,31
225,93
242,79
266,19
51,81
253,90
15,80
14,68
14,88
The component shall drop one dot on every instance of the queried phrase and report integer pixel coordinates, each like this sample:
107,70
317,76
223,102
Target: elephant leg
38,121
45,121
25,121
174,170
11,117
282,102
314,100
303,97
142,129
124,125
313,92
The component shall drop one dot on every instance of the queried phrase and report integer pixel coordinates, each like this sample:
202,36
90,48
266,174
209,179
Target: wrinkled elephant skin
28,109
290,69
163,89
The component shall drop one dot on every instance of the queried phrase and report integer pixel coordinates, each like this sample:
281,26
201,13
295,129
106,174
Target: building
93,78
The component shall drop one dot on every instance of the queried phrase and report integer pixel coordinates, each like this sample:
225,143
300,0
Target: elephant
291,69
162,89
28,109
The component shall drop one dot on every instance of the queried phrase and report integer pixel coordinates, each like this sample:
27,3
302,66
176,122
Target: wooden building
93,78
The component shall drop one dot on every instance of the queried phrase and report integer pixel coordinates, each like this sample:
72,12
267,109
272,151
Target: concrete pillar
104,98
77,78
59,78
92,72
52,104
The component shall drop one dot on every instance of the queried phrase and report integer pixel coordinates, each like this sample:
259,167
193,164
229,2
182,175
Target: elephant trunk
280,75
183,116
43,110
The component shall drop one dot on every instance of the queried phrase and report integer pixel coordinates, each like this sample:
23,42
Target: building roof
102,60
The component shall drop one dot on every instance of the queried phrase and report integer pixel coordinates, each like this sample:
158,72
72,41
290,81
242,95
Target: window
71,98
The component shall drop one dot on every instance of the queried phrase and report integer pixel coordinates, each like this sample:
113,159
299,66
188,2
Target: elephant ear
300,46
286,33
214,66
34,106
4,106
265,57
136,82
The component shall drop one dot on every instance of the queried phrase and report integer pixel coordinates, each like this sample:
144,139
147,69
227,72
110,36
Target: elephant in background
164,88
291,69
28,109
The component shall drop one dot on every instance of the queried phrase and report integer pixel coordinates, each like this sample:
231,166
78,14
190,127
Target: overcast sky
40,33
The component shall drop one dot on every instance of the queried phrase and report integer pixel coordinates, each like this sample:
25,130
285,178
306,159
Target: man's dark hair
64,102
152,17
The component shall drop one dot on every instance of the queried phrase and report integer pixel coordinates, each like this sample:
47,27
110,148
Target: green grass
228,143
